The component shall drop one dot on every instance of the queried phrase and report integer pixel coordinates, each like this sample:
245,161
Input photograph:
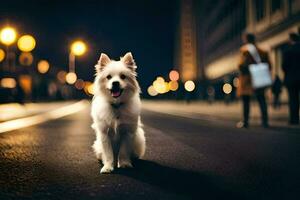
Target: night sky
146,28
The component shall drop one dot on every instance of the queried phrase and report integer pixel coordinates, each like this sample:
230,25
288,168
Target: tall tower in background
186,51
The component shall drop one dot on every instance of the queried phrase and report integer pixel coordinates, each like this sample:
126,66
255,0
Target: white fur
119,131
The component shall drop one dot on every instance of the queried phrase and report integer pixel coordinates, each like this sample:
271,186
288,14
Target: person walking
291,69
245,89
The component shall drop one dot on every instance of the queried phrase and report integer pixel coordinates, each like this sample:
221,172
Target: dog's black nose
116,84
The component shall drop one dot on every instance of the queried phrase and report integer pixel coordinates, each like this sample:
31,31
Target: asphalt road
185,159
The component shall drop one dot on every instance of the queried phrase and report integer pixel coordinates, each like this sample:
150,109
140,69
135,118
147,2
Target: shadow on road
180,182
285,129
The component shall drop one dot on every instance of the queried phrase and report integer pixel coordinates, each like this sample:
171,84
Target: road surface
186,158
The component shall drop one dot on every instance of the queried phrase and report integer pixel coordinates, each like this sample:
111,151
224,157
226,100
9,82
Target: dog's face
116,80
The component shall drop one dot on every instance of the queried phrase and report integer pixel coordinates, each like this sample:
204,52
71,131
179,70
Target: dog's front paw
124,164
106,169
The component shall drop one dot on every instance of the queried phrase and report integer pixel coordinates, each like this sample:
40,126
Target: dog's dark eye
122,76
109,77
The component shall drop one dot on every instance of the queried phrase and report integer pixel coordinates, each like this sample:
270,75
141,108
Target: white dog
116,113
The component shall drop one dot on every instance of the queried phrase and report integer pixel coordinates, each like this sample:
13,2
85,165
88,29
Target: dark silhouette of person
245,89
291,68
276,90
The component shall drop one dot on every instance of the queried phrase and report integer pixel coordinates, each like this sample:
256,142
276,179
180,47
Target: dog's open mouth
116,92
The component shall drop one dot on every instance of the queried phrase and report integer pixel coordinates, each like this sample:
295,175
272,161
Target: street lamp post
78,48
71,62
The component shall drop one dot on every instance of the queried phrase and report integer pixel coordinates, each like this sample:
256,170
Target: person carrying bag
259,71
255,77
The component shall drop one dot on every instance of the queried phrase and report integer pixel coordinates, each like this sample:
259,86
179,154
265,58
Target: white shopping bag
260,73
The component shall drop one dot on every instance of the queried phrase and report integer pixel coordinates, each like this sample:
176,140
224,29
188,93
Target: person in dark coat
291,68
276,90
245,89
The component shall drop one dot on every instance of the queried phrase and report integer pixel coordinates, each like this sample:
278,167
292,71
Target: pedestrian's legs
260,95
246,109
294,104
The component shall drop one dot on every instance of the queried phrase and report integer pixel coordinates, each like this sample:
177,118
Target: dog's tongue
116,93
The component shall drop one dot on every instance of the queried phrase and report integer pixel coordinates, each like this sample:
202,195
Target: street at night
151,99
192,156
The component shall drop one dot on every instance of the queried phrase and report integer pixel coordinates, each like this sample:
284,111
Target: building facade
186,48
212,45
223,24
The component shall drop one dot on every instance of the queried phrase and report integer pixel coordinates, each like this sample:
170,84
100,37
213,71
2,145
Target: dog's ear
129,61
102,62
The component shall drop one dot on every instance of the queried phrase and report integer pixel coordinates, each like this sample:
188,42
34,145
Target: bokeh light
2,55
8,83
173,85
52,89
43,66
71,78
8,35
166,87
157,86
160,86
26,58
89,88
189,86
174,75
236,82
61,76
79,84
160,79
78,48
25,81
227,88
26,43
151,91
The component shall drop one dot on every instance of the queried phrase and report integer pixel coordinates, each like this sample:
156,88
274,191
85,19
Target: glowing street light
43,66
78,48
2,55
8,35
26,43
189,86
